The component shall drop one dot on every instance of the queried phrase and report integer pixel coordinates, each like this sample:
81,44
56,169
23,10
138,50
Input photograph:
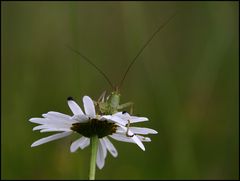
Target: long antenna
144,46
91,63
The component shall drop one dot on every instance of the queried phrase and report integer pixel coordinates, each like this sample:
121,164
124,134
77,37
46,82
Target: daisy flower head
89,124
86,124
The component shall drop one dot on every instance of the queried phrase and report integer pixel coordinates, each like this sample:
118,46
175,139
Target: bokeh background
185,82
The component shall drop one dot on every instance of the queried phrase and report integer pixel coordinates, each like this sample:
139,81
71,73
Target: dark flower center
95,127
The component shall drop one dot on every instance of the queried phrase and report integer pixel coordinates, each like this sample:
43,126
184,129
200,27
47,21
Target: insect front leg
125,105
100,104
102,97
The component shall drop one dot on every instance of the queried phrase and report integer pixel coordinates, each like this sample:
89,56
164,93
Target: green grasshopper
111,104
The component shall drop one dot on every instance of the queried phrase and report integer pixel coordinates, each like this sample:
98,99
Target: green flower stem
94,147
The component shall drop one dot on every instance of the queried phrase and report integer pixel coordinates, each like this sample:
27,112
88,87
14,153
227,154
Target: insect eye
124,112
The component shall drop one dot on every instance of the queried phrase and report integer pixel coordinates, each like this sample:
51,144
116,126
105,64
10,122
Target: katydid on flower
111,104
101,119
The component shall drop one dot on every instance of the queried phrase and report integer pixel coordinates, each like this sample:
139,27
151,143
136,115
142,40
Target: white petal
121,129
52,126
138,130
134,138
61,127
85,143
75,108
39,127
101,154
132,119
80,118
135,119
144,139
104,147
39,120
89,107
115,119
54,129
137,140
51,138
58,117
55,119
48,121
81,142
110,147
120,137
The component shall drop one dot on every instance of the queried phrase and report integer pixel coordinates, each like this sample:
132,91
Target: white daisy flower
87,125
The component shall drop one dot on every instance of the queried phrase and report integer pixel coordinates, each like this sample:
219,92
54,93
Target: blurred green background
185,82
